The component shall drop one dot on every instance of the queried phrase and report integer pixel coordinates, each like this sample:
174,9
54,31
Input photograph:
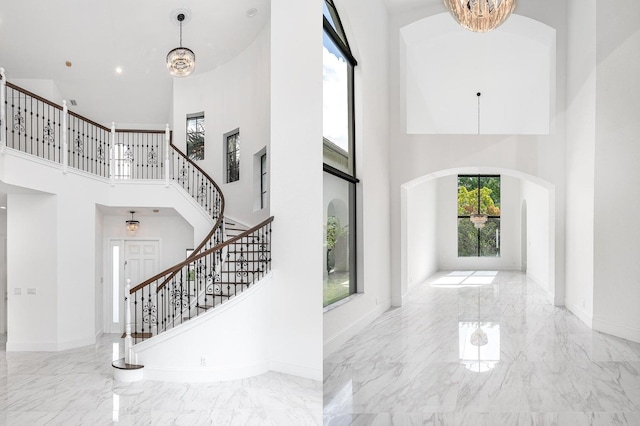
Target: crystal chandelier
132,224
181,61
480,15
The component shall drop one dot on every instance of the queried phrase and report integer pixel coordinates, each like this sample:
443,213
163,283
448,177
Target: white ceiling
38,36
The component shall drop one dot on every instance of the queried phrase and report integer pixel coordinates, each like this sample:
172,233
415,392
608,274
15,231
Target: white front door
133,259
141,263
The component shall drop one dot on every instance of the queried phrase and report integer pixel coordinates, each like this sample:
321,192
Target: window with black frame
339,184
478,215
195,136
232,155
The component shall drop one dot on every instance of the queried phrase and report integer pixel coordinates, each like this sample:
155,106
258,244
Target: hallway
527,363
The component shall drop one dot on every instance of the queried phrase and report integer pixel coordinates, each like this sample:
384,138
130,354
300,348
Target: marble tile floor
77,388
481,348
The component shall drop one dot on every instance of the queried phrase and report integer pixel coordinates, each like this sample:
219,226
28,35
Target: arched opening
429,221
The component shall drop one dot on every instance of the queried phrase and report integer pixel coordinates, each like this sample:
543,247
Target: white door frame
111,298
3,284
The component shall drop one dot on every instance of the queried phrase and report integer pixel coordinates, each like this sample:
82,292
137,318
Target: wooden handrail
173,270
221,214
138,131
193,258
33,95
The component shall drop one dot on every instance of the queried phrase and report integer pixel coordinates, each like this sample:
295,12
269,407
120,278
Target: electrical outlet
31,291
203,362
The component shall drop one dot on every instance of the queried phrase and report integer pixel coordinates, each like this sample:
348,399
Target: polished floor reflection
76,388
482,348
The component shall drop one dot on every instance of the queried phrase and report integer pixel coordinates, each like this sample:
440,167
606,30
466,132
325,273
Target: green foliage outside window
195,138
484,241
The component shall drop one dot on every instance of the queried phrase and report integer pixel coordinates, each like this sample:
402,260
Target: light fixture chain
479,112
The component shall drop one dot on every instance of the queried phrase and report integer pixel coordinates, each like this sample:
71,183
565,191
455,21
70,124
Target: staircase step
137,335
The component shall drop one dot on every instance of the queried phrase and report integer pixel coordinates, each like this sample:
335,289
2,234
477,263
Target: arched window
338,160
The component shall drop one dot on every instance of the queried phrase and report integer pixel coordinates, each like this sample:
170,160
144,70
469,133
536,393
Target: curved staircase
227,261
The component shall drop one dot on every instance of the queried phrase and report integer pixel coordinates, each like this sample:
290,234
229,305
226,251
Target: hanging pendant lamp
480,16
181,61
132,224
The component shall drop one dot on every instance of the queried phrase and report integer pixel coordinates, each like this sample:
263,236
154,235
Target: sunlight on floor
457,279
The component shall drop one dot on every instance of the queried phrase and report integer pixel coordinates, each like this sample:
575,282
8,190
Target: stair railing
37,126
201,282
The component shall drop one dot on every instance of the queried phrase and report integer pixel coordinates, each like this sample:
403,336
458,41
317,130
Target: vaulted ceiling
37,38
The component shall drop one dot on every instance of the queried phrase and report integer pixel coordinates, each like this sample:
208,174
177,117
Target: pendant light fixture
478,219
480,16
181,61
132,224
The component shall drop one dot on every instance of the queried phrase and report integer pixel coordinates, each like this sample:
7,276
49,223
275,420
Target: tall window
478,215
232,155
339,262
263,181
195,136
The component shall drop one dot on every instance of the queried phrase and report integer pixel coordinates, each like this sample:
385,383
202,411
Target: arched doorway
538,228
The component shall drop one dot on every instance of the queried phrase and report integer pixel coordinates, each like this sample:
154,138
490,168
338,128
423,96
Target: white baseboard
297,370
199,375
583,315
615,329
331,345
536,280
13,346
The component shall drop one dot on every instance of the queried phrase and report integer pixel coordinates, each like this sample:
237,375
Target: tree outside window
195,137
479,195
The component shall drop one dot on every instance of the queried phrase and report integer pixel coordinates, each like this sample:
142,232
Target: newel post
127,324
167,141
65,142
3,110
112,162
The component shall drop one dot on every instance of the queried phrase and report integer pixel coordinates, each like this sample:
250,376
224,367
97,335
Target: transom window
478,215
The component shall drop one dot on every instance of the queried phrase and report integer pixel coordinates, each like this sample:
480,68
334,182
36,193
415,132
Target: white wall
227,343
232,96
44,88
174,233
52,224
616,251
366,24
414,156
3,271
422,225
99,274
443,99
538,234
296,185
32,263
580,165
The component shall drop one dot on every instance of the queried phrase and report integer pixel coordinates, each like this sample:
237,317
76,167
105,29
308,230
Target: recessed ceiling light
68,63
252,12
119,70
